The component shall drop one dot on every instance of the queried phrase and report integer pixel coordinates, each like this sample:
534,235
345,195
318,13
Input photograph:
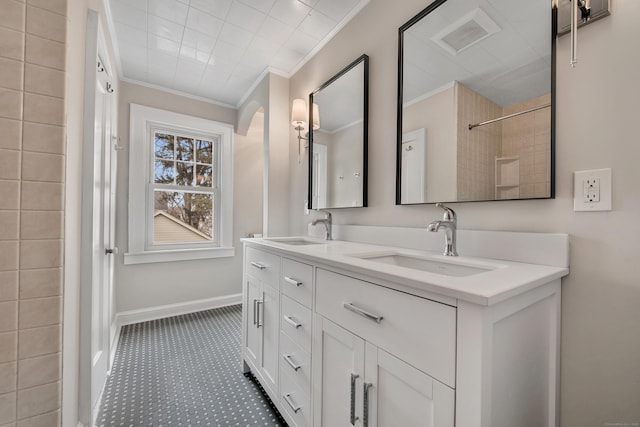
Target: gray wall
272,95
596,115
151,285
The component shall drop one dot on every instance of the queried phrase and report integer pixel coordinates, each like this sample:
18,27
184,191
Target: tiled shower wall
477,148
32,73
528,136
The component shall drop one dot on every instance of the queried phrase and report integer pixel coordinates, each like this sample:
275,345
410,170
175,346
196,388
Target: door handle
260,312
365,405
255,304
353,417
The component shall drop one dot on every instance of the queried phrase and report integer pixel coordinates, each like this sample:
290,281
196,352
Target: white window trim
142,120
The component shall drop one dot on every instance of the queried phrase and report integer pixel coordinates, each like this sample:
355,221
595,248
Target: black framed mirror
476,100
338,139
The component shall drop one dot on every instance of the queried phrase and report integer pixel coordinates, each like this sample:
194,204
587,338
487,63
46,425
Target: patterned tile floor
184,371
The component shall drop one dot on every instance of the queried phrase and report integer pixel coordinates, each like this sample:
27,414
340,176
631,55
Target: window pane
204,151
184,173
184,149
163,146
164,172
182,217
203,175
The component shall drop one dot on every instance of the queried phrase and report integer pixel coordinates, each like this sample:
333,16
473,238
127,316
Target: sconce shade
316,117
299,113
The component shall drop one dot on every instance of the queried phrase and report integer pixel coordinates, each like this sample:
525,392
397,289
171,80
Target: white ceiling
507,67
218,49
342,102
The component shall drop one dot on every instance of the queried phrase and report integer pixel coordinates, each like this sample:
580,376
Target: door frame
95,49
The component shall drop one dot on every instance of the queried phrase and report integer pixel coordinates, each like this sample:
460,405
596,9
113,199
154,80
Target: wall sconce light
299,117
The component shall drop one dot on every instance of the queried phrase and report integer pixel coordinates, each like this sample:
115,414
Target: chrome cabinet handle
289,360
292,322
258,265
353,419
362,312
255,317
292,281
110,251
260,303
365,405
294,407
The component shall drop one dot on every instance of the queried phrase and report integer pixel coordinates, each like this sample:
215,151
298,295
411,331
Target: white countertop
505,280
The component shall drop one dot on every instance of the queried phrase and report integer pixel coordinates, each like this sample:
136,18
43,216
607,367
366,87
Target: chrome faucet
326,221
449,222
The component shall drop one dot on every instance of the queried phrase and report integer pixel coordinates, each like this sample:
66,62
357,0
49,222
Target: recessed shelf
507,177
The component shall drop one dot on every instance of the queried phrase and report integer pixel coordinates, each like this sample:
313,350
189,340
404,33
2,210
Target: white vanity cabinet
261,323
338,341
357,380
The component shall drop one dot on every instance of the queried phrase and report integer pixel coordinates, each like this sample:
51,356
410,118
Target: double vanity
344,333
378,328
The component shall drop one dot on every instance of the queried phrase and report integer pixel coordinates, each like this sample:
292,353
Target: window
180,190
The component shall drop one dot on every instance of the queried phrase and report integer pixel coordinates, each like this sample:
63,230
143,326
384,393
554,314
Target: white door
397,394
319,179
270,327
99,336
414,167
98,222
338,375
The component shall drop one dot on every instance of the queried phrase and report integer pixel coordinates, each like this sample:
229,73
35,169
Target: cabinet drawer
296,403
263,266
296,322
297,279
296,362
416,330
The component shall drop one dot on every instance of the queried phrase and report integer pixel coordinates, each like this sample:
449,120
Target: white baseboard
115,337
160,312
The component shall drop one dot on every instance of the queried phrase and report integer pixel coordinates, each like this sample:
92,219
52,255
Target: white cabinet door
338,373
397,394
269,313
253,333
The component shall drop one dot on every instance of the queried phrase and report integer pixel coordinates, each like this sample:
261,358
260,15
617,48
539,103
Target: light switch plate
592,190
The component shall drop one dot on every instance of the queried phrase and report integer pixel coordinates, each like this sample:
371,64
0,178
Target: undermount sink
295,242
445,268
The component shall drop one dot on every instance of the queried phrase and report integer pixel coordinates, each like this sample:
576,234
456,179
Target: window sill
177,255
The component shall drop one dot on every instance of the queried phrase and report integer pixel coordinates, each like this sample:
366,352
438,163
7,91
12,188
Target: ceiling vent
466,31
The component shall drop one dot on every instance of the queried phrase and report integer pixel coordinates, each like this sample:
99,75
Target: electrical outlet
592,190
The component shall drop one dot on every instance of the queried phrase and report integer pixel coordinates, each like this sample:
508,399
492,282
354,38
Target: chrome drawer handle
362,312
289,360
292,322
258,265
292,281
287,398
365,405
352,407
